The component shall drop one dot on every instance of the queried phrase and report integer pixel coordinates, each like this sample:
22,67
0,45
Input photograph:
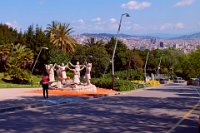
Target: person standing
45,84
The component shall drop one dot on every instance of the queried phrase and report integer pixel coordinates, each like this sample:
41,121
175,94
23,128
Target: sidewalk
17,93
18,98
23,98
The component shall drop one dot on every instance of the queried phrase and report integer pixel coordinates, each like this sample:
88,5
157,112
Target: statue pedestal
81,88
70,86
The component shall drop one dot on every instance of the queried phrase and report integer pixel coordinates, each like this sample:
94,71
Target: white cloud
112,20
108,26
81,21
179,25
126,25
134,5
112,24
170,26
14,25
166,26
183,3
134,27
97,19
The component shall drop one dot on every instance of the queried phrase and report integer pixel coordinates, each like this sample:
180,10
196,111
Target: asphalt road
168,109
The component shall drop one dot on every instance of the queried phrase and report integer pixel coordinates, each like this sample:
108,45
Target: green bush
131,74
102,82
120,85
18,75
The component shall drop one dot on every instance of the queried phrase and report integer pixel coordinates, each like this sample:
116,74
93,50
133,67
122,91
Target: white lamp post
45,48
158,70
153,41
113,67
145,67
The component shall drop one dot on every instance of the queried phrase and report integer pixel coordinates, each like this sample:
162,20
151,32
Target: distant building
142,43
161,45
175,45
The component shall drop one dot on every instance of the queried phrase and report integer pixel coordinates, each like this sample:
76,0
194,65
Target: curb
137,90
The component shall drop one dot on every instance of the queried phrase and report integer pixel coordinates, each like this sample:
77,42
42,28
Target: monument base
80,88
70,86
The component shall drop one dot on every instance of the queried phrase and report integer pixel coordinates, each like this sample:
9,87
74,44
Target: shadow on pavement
114,114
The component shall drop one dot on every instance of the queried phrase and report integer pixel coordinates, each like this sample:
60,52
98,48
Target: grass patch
35,83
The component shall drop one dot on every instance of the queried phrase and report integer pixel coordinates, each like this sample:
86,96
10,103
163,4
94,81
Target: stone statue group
62,78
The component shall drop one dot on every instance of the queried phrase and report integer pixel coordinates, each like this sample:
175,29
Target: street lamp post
158,71
153,41
45,48
113,67
145,68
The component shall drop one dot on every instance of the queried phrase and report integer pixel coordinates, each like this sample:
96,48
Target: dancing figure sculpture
59,76
63,72
76,70
50,69
87,73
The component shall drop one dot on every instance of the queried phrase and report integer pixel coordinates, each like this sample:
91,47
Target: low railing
194,82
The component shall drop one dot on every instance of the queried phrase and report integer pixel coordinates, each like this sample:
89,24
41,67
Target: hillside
158,36
192,36
107,35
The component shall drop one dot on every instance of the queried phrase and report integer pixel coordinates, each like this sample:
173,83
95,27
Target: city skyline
102,16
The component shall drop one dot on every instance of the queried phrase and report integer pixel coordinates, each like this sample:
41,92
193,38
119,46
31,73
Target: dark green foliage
129,64
58,56
129,74
100,60
97,55
70,74
120,85
17,58
35,39
30,41
122,54
80,54
191,65
124,85
7,34
93,42
18,75
135,60
102,82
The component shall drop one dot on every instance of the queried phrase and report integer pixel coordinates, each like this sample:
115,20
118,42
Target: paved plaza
167,109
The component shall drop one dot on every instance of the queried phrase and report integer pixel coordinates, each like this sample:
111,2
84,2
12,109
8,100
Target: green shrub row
130,74
120,85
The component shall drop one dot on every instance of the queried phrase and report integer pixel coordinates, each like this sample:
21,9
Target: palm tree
18,55
59,34
51,28
17,60
93,42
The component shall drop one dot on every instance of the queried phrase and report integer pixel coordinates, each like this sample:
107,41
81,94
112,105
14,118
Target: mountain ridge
190,36
156,35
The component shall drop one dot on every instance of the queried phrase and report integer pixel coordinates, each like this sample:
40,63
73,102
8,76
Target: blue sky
102,16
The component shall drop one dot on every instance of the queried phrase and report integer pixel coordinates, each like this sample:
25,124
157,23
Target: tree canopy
19,50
